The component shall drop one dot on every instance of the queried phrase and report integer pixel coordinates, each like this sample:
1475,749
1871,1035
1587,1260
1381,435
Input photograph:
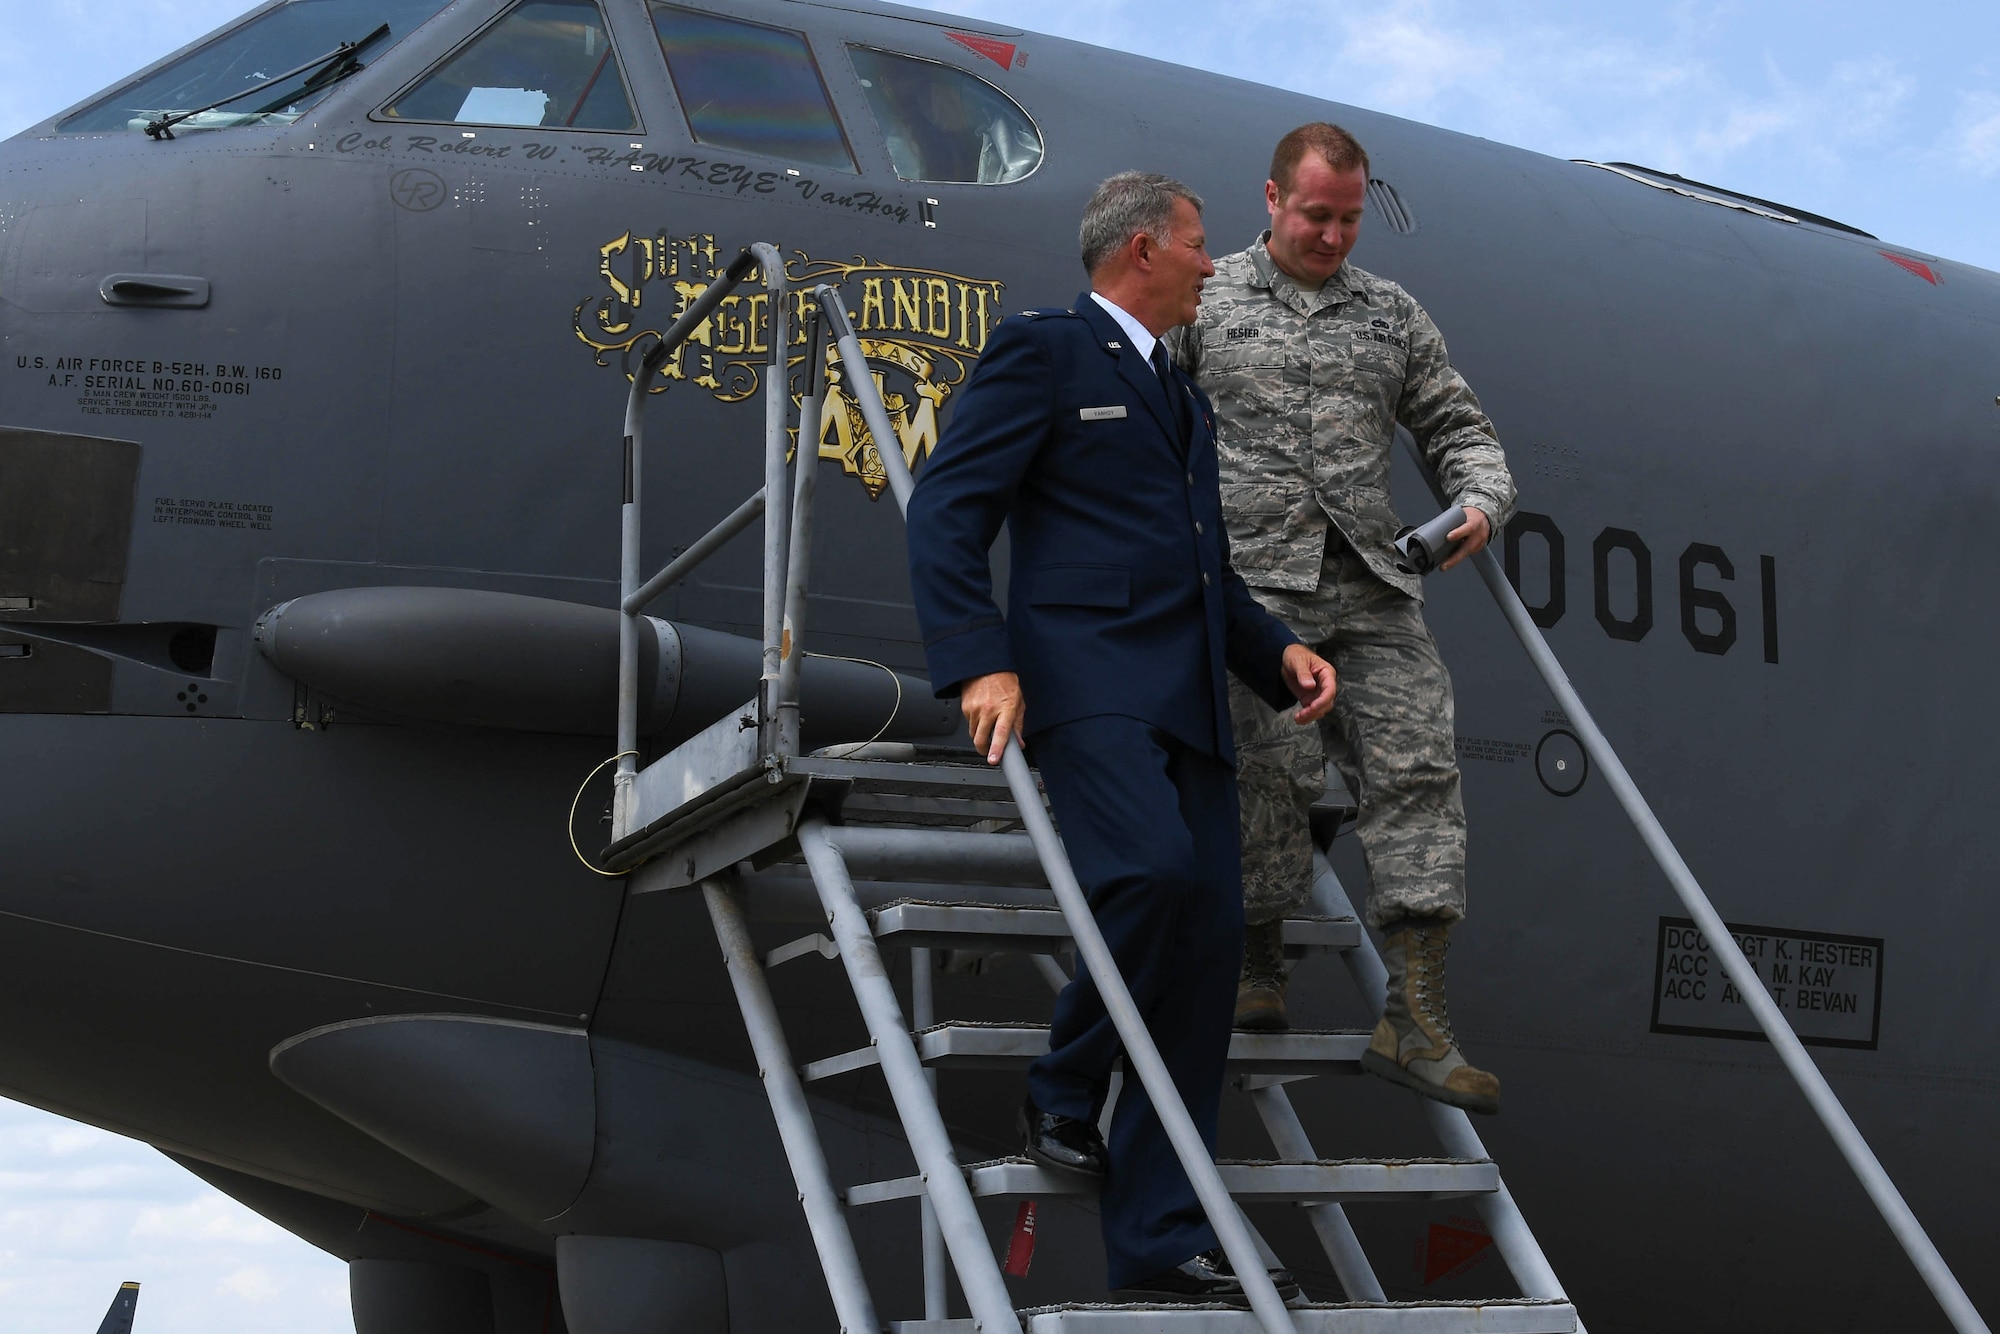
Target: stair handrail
769,503
1141,1055
1861,1159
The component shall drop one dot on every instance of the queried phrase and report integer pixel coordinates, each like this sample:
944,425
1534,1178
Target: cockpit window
751,88
547,63
944,124
246,57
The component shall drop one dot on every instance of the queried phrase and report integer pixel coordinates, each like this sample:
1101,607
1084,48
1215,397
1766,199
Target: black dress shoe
1206,1278
1063,1142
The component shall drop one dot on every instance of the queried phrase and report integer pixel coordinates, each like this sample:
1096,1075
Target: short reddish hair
1339,149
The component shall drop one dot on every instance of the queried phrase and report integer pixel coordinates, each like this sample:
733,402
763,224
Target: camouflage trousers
1390,737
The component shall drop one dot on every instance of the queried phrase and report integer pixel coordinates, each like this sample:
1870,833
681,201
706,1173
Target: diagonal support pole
1329,1221
944,1182
1511,1236
824,1216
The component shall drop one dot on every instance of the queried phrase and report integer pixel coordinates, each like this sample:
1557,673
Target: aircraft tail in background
118,1320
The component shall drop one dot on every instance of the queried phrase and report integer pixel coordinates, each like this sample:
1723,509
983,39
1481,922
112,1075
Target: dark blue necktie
1176,403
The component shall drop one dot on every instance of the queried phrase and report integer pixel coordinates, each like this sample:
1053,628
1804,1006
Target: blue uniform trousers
1151,828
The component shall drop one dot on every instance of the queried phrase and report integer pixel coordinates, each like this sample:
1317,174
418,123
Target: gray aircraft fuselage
1757,462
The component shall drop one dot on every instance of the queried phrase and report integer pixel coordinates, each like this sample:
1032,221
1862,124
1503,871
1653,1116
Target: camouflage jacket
1308,389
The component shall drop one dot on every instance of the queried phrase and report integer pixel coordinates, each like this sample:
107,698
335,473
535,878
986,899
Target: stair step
1254,1181
969,1046
993,926
925,770
1503,1316
925,810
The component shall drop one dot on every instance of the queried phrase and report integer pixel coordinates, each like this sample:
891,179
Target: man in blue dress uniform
1123,617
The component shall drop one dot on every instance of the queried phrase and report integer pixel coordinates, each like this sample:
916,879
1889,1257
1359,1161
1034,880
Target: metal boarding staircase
939,851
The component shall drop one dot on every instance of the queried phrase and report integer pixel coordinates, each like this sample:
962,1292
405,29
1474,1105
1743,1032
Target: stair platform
1501,1316
719,780
1327,1182
973,1046
992,926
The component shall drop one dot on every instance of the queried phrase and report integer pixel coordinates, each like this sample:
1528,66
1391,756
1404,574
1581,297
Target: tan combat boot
1260,995
1413,1045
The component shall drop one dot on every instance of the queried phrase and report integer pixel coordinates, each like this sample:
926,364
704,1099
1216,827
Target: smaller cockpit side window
943,124
545,63
750,87
243,63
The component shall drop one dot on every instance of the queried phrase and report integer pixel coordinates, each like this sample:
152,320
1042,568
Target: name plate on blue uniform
1111,413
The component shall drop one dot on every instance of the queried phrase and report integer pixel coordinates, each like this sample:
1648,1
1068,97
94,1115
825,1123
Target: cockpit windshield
245,57
943,124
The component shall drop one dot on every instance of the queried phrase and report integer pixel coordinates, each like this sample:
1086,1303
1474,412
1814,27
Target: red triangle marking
1908,265
1450,1249
1000,53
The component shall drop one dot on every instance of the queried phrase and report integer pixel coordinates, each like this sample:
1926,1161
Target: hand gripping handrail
770,502
1826,1106
1140,1053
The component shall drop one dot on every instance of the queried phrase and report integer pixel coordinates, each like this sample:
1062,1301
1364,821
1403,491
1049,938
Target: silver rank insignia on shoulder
1111,413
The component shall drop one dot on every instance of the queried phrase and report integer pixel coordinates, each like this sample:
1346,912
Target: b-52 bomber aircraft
314,340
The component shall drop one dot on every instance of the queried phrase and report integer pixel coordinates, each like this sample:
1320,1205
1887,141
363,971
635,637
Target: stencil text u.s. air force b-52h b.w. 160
316,334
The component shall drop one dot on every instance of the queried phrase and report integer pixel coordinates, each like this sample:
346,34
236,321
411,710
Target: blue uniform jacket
1121,598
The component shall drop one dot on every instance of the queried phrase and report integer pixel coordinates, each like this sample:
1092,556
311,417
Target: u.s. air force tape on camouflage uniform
1308,389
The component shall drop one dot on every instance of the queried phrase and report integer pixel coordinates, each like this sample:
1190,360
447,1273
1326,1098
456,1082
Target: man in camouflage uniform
1311,365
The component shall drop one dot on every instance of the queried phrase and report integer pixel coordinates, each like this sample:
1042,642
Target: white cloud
251,1284
1853,105
210,1216
1672,90
1741,95
1408,59
1973,143
1573,90
82,1210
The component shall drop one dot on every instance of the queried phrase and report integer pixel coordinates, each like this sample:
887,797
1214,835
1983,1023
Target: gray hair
1125,206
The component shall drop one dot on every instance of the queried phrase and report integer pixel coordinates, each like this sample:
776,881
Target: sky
1886,117
83,1210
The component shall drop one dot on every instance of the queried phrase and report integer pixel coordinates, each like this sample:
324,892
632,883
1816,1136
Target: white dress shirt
1142,340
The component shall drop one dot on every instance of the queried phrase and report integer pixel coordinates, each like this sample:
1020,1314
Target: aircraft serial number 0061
1621,576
